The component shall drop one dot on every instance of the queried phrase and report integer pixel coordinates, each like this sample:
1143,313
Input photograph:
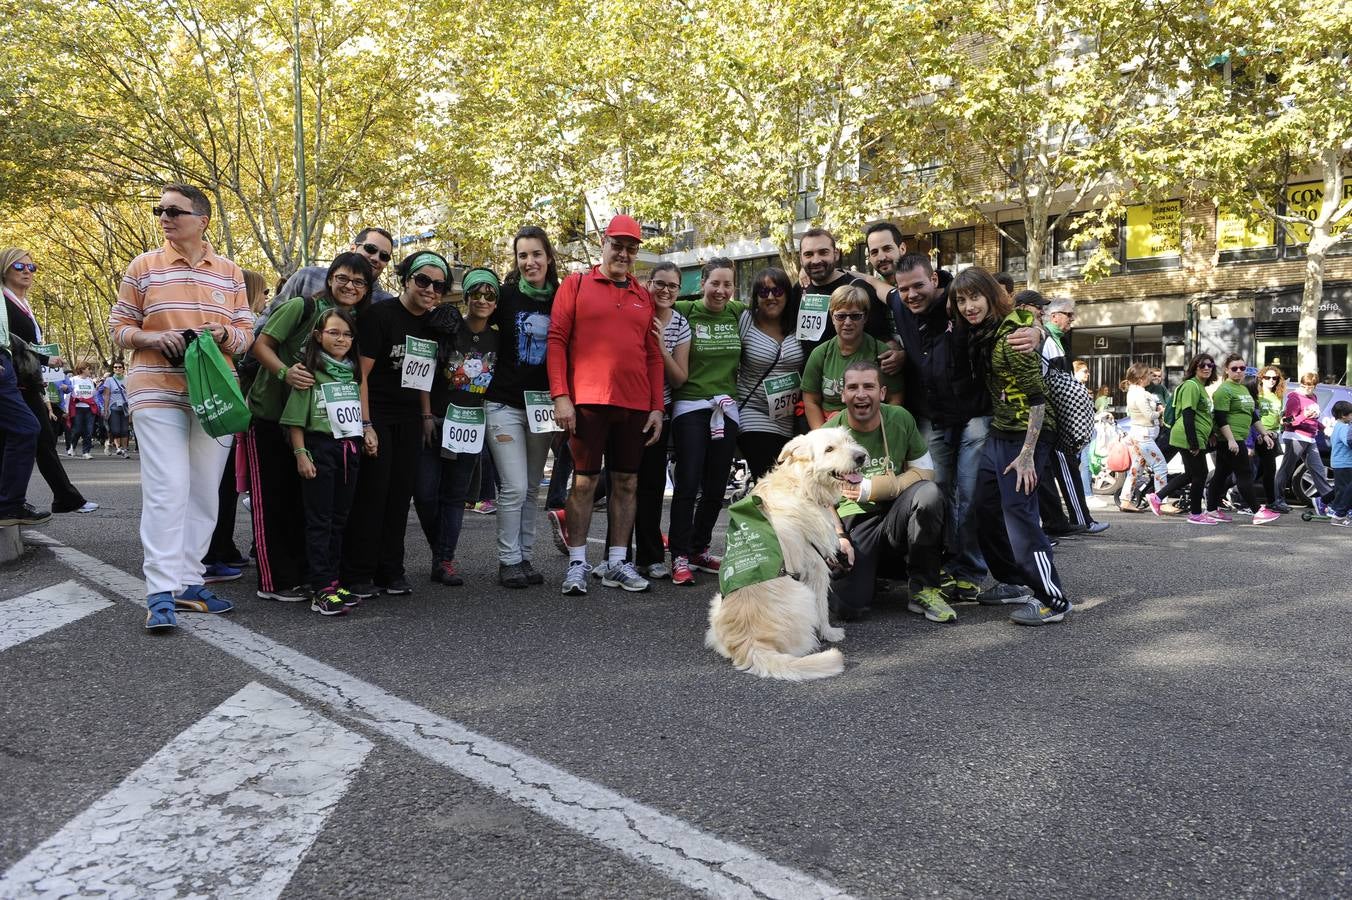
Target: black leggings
760,449
1193,475
1236,464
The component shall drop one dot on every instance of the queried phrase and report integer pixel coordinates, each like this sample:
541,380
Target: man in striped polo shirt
181,286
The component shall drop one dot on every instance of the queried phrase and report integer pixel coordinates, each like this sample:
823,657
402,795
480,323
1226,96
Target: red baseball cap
624,226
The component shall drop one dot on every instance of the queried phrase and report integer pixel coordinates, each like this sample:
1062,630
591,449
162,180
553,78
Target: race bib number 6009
463,430
420,360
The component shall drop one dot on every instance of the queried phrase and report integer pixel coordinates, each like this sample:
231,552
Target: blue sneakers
217,572
160,612
197,598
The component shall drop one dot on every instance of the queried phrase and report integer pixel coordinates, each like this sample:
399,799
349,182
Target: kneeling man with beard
896,510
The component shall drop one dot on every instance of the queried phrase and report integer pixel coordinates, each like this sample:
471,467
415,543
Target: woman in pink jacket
1300,430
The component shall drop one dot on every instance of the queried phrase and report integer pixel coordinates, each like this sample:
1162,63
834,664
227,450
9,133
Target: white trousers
181,470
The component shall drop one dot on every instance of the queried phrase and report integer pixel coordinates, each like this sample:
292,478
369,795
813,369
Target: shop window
954,250
748,269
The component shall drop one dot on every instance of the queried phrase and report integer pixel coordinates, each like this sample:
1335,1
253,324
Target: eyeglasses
1237,368
373,250
344,281
769,291
336,334
30,268
627,247
664,285
847,316
424,282
172,212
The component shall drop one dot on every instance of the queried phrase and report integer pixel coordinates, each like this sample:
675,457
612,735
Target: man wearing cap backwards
1058,315
605,375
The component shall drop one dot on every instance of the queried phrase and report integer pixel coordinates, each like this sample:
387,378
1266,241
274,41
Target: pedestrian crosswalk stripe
226,809
676,848
33,615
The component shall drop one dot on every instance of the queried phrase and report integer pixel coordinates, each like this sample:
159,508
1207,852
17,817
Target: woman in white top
673,337
769,378
1143,408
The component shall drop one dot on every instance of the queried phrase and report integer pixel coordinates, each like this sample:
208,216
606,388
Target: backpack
1170,407
248,365
1073,406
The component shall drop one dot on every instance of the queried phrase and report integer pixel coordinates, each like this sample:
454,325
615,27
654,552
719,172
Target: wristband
281,373
428,417
299,450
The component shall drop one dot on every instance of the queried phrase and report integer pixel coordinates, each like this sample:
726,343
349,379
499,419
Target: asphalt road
1186,733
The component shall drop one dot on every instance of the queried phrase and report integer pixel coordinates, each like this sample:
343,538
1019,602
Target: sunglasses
1271,378
30,268
373,250
172,212
1206,365
424,282
1236,368
847,316
775,291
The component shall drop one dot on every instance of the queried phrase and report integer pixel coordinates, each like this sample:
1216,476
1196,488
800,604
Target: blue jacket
1342,445
940,383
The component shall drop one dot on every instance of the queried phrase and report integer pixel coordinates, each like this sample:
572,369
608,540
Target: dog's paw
833,635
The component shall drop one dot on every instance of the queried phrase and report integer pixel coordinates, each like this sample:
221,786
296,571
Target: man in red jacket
605,375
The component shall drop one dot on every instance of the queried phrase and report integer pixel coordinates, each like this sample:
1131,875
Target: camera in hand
189,335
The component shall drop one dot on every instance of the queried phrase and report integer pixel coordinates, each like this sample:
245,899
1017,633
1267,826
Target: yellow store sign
1306,200
1235,231
1155,230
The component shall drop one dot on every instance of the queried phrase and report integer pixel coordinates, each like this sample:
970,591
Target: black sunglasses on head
423,281
376,251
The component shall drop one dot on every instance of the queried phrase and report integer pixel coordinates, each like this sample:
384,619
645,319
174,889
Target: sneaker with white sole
680,571
1035,613
1340,521
575,580
199,598
558,523
657,570
706,562
929,602
1264,516
1202,519
1220,515
1001,594
285,595
624,575
1155,503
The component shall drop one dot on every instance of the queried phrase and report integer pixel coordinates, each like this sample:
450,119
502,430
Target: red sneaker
559,525
680,571
706,563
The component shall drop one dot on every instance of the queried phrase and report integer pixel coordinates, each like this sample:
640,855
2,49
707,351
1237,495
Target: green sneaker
930,603
957,590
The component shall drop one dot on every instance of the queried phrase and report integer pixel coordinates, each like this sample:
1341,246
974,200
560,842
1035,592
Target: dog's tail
770,663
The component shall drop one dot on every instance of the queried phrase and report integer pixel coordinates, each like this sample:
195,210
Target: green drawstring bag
213,389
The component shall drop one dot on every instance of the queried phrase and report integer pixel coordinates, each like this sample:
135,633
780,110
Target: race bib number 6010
420,361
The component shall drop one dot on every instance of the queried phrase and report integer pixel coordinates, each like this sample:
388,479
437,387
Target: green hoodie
305,408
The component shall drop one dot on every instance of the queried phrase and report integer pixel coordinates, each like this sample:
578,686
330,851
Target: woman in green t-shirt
1233,411
824,374
704,421
274,487
1271,399
1191,433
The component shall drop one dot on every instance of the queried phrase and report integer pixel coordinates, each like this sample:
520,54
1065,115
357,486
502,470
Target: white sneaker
89,507
71,453
657,570
86,456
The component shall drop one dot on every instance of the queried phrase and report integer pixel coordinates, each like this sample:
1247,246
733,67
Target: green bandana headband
426,258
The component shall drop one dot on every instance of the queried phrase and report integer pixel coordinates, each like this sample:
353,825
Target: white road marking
670,845
35,614
226,809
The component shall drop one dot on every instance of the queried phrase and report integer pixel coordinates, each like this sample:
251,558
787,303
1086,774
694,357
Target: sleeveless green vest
753,553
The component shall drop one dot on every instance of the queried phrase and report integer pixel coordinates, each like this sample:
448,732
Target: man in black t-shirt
819,259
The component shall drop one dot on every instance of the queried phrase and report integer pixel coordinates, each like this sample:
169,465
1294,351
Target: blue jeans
957,452
443,488
20,431
519,455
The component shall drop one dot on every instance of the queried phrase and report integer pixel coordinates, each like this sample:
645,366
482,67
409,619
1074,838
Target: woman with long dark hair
518,442
1271,397
769,382
274,493
1192,434
1022,434
1233,411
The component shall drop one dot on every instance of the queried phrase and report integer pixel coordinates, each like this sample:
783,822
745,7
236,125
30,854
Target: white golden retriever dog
770,628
